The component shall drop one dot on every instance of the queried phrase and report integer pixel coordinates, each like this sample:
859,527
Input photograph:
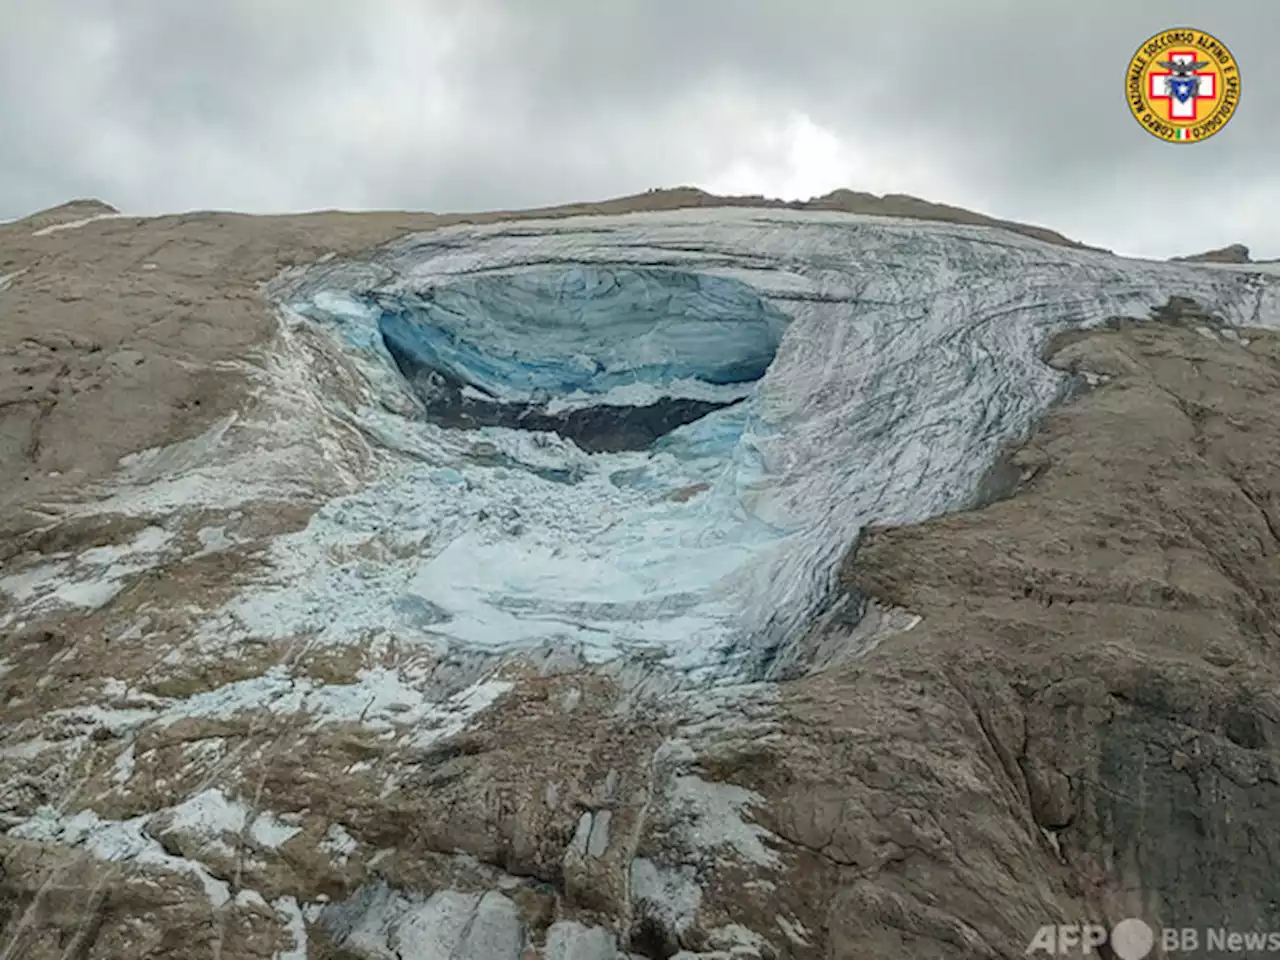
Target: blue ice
540,334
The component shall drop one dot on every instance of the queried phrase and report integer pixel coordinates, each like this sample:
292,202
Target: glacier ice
799,375
586,328
610,358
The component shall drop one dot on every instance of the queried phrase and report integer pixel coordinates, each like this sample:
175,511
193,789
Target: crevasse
661,432
611,359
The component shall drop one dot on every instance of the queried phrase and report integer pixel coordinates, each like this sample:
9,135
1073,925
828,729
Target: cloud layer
1012,108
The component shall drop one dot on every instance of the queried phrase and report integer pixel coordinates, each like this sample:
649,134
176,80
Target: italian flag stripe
1184,133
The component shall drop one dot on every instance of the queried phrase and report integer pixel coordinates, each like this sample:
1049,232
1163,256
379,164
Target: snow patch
670,895
288,908
569,940
29,749
92,717
794,931
381,698
124,766
714,818
379,922
269,832
212,540
89,580
22,587
116,841
210,815
339,844
8,278
250,898
76,224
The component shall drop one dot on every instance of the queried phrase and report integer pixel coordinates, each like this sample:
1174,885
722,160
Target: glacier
611,359
658,434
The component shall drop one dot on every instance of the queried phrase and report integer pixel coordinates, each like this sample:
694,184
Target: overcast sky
1012,107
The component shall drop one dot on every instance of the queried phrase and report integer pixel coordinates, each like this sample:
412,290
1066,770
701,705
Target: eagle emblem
1182,82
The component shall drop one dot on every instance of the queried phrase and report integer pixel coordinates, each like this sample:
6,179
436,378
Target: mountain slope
809,584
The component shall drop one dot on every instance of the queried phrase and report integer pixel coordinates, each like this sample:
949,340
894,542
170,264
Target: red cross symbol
1160,88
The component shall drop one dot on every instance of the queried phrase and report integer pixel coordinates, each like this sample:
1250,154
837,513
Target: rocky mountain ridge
1232,253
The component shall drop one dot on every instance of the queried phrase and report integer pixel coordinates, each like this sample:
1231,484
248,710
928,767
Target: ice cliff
659,433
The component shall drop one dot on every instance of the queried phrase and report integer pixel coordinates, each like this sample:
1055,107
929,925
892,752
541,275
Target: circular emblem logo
1132,939
1183,85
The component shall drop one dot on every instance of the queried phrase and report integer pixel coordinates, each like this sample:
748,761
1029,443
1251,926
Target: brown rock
1233,253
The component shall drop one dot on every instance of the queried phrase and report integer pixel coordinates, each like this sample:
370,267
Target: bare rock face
1104,641
1232,253
1054,705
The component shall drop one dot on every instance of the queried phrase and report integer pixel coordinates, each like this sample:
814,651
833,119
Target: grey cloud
1013,108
